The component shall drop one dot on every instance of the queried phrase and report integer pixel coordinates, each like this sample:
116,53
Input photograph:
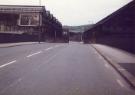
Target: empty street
58,69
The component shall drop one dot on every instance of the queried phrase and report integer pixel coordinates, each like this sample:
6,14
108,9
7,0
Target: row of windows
4,28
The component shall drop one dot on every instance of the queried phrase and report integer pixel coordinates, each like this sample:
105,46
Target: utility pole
83,29
55,35
40,25
81,37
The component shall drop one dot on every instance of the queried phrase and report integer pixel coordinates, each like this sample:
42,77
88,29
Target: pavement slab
122,61
4,45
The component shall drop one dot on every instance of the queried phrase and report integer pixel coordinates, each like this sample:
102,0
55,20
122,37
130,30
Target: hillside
77,29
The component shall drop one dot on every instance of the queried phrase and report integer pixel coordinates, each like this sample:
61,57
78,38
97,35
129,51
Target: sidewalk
5,45
122,61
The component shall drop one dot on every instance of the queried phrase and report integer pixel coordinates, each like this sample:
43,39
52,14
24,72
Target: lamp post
40,25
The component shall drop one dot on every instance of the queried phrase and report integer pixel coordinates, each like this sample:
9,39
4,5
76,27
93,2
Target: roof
115,13
111,15
20,8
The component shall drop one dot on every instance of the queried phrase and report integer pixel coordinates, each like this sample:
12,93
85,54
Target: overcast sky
75,12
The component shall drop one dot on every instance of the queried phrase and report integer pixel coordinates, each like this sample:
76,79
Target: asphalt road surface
58,69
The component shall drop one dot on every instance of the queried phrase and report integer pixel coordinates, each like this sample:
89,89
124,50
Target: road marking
122,69
34,54
8,64
49,48
120,83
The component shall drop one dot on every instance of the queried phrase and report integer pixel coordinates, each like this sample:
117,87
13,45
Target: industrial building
117,29
28,23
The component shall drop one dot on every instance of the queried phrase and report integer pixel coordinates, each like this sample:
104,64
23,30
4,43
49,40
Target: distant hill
78,29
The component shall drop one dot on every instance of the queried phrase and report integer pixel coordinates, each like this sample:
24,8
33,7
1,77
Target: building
117,30
66,35
33,21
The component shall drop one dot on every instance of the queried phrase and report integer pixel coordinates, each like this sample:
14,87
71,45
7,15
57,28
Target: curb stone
125,74
17,44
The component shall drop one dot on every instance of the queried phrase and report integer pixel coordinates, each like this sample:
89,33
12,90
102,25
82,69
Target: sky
75,12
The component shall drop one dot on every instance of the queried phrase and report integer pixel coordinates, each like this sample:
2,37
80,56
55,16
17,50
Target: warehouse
117,29
27,23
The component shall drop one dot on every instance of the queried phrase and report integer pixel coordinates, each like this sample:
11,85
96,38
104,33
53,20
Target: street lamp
40,26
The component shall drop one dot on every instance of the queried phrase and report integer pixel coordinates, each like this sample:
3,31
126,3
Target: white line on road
34,54
122,69
120,83
49,48
8,64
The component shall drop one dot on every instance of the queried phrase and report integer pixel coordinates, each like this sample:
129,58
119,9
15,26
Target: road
58,69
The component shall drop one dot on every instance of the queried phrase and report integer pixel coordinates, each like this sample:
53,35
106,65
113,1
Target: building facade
118,29
34,21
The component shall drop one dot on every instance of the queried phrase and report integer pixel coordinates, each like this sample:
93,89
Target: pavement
58,69
122,61
4,45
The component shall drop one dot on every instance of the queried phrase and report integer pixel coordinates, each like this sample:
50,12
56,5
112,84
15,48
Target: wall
116,30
